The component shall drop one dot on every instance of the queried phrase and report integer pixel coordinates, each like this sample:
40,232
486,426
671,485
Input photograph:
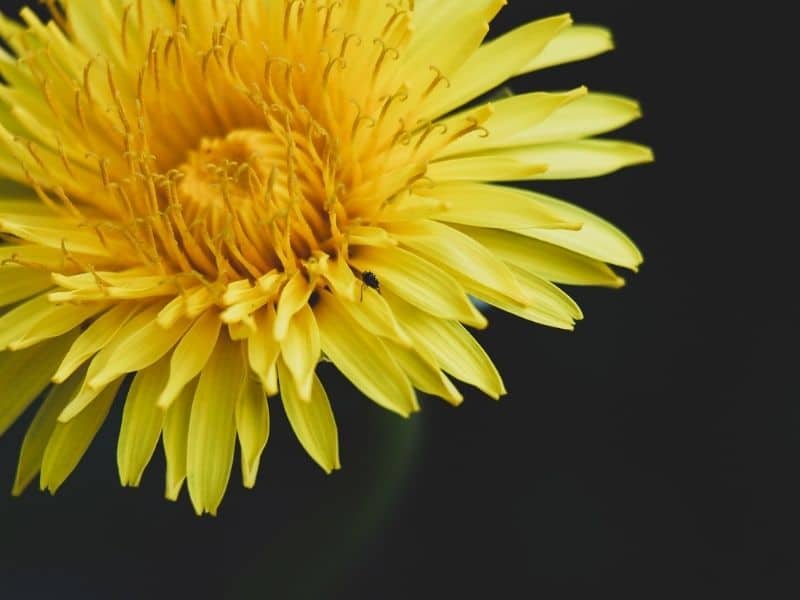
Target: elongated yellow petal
252,428
596,238
294,296
373,314
497,61
69,441
22,317
546,260
141,422
95,338
419,282
40,430
212,427
451,345
25,373
312,421
263,350
515,120
300,350
190,355
363,358
175,439
590,115
576,159
57,322
486,167
424,372
17,284
575,43
459,254
134,350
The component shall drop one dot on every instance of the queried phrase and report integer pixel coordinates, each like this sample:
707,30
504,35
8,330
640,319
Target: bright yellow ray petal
546,260
451,345
190,355
363,358
576,159
25,373
252,428
424,372
69,441
593,114
293,297
514,120
419,282
312,421
95,338
300,350
263,350
18,283
459,254
484,205
575,43
59,321
497,61
175,439
373,314
212,427
141,423
18,321
486,167
40,430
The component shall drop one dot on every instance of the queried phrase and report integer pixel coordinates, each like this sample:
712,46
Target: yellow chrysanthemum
215,195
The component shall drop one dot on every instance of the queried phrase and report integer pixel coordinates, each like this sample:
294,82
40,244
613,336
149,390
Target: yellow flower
215,195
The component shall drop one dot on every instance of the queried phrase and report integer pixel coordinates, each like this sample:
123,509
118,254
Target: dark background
652,452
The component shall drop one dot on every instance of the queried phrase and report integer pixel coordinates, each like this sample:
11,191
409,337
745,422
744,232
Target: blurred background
652,451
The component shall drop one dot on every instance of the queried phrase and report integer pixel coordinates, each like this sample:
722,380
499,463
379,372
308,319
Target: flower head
211,197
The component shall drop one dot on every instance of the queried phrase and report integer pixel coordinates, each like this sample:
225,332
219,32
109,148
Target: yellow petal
138,344
18,321
419,282
515,120
190,356
252,427
575,159
312,421
460,255
175,439
548,261
17,284
575,43
300,350
141,423
263,350
212,427
501,207
596,238
133,350
293,297
58,322
451,345
69,441
363,358
25,373
497,61
95,338
40,430
373,314
591,115
486,167
424,372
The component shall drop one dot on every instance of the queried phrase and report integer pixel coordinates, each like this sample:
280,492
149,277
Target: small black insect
369,279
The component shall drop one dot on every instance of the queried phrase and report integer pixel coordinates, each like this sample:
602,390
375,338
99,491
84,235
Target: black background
652,452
